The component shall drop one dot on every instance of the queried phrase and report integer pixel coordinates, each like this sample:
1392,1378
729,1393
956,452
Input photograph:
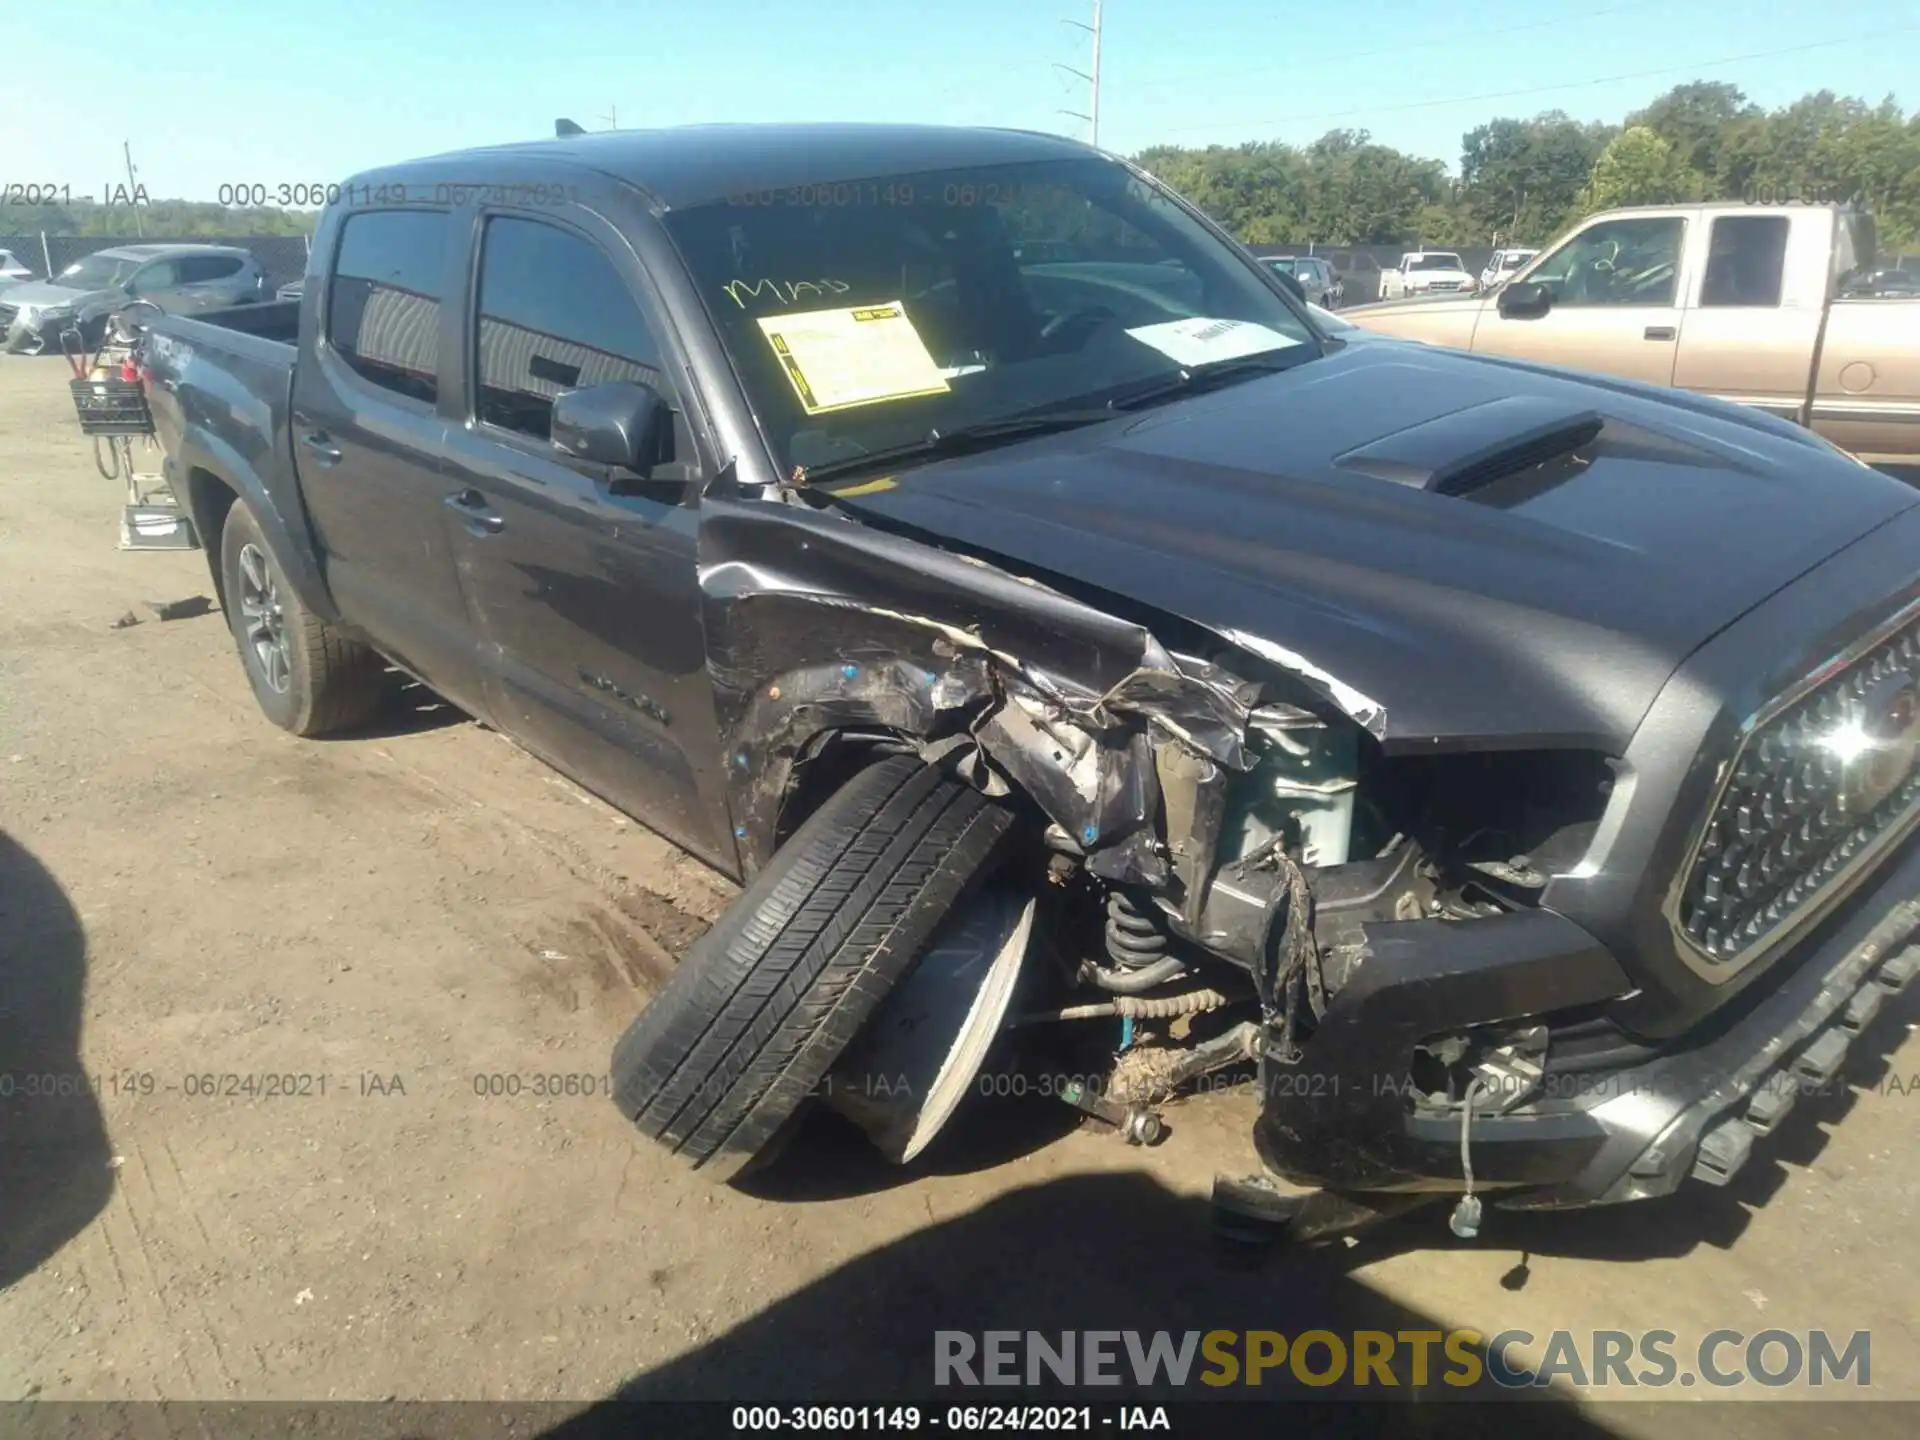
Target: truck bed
231,371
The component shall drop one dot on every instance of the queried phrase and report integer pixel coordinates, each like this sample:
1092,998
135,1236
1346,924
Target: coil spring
1134,936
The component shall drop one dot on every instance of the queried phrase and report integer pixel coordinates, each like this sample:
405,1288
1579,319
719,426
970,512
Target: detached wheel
765,1001
307,676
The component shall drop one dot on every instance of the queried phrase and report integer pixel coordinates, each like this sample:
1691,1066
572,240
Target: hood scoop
1474,448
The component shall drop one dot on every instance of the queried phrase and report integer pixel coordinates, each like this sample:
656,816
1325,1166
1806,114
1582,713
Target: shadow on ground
1088,1252
54,1171
408,708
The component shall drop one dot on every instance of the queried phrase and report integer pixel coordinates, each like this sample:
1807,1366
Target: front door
1616,288
584,583
367,440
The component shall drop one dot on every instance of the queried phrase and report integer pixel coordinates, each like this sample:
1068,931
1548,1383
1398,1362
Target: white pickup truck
1504,265
1426,272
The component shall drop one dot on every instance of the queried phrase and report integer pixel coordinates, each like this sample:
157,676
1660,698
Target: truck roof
1726,205
692,164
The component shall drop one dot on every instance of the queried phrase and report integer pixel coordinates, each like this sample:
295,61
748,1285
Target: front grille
1822,783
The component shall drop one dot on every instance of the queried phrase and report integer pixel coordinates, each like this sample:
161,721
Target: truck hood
1380,523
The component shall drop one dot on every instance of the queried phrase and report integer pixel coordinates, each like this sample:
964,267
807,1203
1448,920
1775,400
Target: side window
196,269
554,315
383,307
162,275
1617,262
1746,256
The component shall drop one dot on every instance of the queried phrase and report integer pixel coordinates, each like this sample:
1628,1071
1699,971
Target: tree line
1520,181
1524,181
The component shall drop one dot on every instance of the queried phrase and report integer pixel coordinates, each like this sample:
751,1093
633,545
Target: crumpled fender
815,623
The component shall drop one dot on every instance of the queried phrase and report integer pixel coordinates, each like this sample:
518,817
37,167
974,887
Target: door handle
323,448
1660,332
471,506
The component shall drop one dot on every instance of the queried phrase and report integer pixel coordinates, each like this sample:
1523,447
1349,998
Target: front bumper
1344,1117
33,331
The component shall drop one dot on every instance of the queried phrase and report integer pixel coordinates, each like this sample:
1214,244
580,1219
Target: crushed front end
1523,961
1640,994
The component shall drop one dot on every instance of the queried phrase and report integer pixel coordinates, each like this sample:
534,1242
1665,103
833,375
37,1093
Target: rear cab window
1746,260
384,297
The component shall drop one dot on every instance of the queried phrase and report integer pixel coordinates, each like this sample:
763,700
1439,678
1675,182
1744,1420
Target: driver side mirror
625,423
1527,301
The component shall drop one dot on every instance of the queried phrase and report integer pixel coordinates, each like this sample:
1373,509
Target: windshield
1437,260
98,272
862,316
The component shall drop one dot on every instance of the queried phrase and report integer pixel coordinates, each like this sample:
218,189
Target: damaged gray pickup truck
1060,632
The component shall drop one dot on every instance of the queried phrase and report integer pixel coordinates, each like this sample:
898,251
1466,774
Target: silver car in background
181,279
12,271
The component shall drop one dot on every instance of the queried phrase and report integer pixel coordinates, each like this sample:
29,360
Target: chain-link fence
282,257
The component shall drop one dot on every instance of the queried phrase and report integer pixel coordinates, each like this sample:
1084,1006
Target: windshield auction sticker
1198,340
862,355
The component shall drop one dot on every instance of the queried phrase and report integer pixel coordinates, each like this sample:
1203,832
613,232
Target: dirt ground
187,893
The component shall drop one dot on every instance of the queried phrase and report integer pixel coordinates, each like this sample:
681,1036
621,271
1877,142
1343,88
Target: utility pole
1092,116
612,117
133,189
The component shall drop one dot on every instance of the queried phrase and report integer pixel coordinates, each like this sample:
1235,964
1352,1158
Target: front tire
307,677
719,1065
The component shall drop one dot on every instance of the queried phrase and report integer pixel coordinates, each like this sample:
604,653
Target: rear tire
308,677
766,1000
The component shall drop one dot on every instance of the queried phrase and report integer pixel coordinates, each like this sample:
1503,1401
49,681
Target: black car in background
1318,282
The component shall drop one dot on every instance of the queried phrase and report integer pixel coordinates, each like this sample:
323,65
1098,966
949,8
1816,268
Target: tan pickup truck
1748,303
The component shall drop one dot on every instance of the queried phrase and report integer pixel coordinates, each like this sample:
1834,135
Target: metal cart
111,402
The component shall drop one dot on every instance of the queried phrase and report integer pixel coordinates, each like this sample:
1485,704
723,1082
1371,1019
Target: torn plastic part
1369,714
1101,790
1305,780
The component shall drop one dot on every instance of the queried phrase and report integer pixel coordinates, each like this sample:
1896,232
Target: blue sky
267,92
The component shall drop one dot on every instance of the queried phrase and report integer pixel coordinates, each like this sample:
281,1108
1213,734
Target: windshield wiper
1192,379
962,439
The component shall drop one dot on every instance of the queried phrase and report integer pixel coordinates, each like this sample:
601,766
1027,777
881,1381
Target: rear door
583,582
1617,287
159,281
206,281
1750,331
367,437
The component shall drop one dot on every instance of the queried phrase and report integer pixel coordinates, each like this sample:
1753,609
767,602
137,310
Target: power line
1093,80
1546,89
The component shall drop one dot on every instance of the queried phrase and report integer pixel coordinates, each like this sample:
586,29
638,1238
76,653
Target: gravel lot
187,892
